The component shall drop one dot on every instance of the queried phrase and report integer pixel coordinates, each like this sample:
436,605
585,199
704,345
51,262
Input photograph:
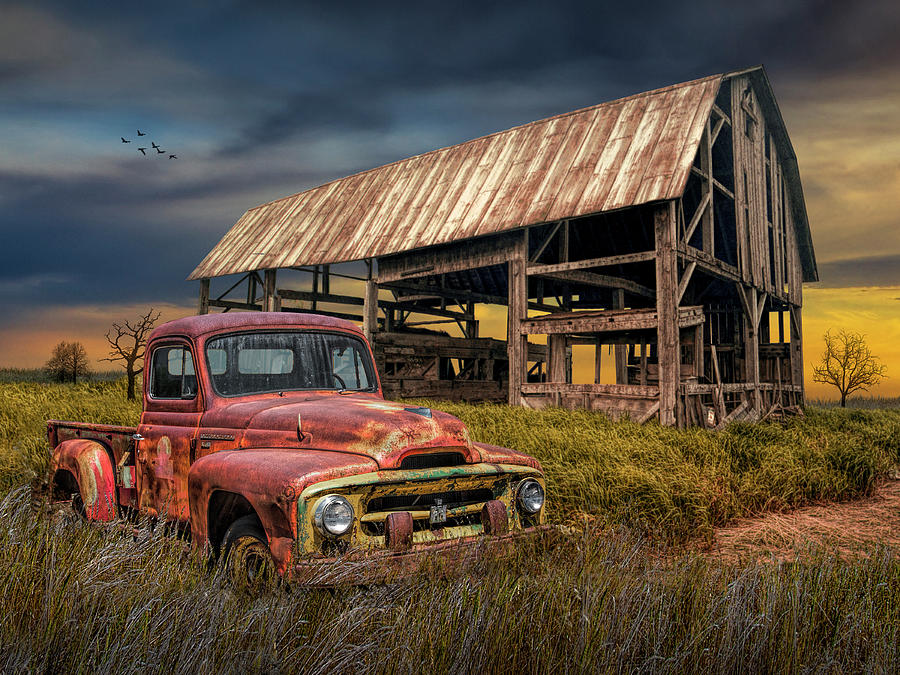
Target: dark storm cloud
307,114
864,271
268,98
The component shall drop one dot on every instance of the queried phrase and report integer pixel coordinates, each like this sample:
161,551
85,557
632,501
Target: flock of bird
153,145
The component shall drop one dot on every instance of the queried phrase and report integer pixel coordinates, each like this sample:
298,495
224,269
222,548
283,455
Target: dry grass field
684,551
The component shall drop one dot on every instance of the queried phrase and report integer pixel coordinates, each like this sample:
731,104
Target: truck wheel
248,561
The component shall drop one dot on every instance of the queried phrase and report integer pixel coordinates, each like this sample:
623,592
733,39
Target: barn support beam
518,310
203,306
271,301
708,210
667,312
557,346
753,306
370,307
251,288
796,328
447,258
460,295
598,280
621,351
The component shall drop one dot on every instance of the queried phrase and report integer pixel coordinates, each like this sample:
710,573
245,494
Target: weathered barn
669,227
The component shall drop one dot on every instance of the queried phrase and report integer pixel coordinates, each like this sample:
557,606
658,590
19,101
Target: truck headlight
530,496
334,515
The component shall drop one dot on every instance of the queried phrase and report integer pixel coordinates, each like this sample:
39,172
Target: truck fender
270,481
90,464
208,477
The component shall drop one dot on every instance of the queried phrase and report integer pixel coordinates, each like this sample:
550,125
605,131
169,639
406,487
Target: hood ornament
424,412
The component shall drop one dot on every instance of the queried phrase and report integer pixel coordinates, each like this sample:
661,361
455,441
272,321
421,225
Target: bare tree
127,342
848,364
69,360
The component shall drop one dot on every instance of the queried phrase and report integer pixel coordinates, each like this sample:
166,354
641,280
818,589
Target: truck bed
117,439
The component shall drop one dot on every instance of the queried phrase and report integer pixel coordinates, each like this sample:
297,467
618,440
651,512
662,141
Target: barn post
796,328
752,315
668,347
251,288
370,307
621,353
557,371
204,297
518,309
270,299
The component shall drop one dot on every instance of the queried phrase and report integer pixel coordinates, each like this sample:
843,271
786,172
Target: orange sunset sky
258,105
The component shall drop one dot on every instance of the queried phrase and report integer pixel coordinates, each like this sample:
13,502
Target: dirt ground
848,529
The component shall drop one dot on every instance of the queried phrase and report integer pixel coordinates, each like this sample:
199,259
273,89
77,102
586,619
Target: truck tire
248,562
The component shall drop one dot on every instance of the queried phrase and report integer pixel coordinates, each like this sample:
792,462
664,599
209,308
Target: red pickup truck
266,437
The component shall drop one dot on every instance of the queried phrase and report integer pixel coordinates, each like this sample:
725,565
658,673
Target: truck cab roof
206,324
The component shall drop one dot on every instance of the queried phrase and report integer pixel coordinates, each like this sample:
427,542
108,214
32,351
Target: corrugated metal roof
623,153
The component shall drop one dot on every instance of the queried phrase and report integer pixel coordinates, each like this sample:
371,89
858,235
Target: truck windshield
257,362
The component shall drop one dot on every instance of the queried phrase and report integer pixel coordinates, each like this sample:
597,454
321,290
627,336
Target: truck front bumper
434,559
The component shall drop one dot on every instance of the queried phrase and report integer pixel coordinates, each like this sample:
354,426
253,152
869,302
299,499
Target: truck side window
172,373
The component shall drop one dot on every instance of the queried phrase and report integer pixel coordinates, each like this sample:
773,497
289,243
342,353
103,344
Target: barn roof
623,153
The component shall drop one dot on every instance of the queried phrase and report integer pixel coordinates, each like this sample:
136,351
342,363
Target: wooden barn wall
768,255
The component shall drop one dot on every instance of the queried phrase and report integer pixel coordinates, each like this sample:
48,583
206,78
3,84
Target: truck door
169,425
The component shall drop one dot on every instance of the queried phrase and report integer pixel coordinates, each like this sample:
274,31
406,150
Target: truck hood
361,424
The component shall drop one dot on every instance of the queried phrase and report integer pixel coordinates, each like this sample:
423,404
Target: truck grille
420,505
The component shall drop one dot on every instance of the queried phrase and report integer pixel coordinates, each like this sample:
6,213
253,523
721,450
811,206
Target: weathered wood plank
667,312
606,261
270,294
620,350
599,280
605,321
685,280
709,264
557,352
623,390
448,258
203,302
370,310
518,304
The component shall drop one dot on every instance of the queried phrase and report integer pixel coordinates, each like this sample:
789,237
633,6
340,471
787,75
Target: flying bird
123,139
172,157
142,151
159,151
153,143
140,134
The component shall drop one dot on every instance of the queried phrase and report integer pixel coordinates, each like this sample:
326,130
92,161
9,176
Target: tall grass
25,408
79,598
75,598
864,402
14,375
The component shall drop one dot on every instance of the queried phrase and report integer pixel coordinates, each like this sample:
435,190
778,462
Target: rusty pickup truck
265,436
